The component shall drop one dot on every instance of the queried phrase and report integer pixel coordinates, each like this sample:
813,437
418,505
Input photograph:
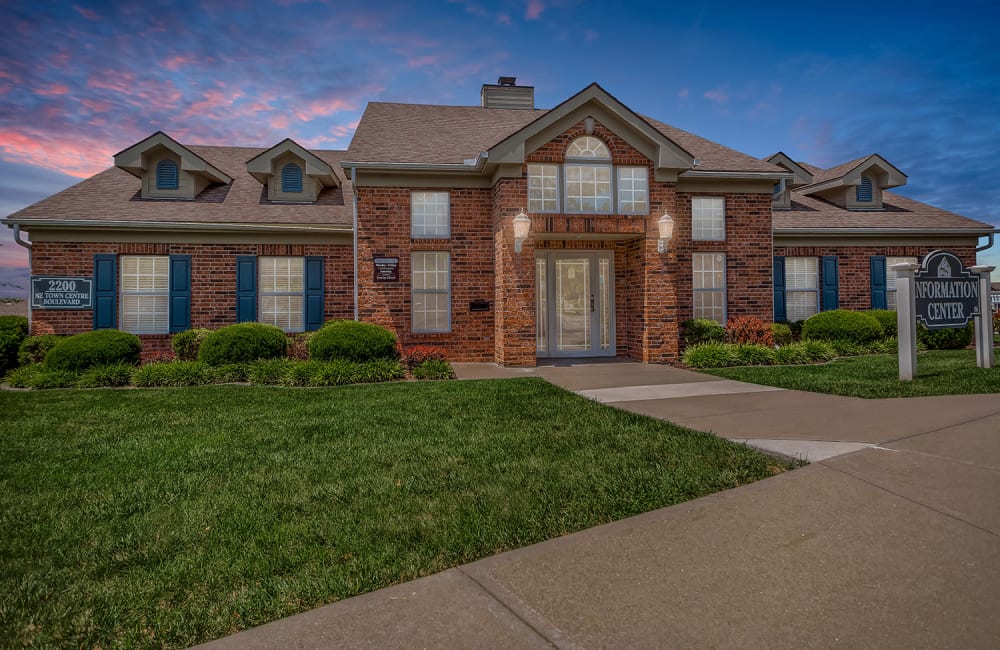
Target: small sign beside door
386,269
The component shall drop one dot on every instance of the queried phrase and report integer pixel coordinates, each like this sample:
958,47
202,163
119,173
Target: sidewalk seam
516,614
947,426
906,498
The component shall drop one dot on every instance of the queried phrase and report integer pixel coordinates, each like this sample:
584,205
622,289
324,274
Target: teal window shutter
863,194
314,293
879,299
779,289
166,175
830,284
246,288
180,293
105,290
291,178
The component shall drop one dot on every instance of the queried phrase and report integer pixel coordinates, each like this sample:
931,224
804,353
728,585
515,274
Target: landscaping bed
167,517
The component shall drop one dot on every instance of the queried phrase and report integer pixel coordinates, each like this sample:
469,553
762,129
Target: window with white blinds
801,287
280,290
708,218
431,291
890,279
709,286
145,298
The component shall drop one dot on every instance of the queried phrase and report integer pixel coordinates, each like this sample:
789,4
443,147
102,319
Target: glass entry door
575,308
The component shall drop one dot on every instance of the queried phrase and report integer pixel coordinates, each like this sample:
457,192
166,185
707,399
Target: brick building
500,232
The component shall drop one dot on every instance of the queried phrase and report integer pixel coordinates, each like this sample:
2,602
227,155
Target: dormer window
291,178
166,175
863,193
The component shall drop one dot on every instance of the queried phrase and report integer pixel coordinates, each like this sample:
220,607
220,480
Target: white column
906,320
984,321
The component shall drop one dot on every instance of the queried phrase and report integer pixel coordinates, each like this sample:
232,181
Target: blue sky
916,82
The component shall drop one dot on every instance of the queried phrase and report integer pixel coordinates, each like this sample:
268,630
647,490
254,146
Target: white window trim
263,294
724,233
414,292
723,289
413,221
164,293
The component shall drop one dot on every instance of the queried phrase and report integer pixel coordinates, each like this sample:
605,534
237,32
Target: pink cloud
81,157
421,61
175,62
321,108
52,89
534,10
89,14
719,96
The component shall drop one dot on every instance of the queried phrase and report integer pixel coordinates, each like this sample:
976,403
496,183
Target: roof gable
133,159
260,166
802,175
849,173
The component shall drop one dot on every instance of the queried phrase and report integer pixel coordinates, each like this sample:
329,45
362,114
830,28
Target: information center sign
61,293
947,296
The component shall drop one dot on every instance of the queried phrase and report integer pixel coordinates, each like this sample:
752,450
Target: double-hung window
708,218
709,286
145,294
431,284
430,215
890,278
801,287
281,288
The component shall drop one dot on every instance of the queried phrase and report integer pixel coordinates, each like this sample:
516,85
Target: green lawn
165,517
941,372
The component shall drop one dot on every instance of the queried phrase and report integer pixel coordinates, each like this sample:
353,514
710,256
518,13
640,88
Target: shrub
702,330
185,344
298,346
13,332
271,372
379,371
749,329
886,318
241,343
781,333
818,350
352,341
888,345
335,373
16,324
34,348
752,354
301,373
231,373
842,325
22,377
848,348
38,376
791,355
97,348
418,354
116,374
433,369
174,373
711,355
947,339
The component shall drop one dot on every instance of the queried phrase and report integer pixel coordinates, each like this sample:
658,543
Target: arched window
588,147
864,192
291,178
166,175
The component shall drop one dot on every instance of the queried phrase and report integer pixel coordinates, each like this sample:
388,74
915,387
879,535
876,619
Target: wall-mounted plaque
386,269
49,292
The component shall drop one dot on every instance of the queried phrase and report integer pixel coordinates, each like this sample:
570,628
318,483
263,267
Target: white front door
575,308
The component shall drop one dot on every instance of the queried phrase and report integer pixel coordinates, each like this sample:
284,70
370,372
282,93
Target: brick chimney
507,94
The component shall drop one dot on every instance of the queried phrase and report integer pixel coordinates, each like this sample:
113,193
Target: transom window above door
587,183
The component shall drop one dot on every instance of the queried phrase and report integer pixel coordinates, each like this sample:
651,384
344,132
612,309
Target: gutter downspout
354,191
989,242
21,242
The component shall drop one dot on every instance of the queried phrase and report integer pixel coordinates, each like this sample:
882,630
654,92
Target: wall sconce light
522,228
666,226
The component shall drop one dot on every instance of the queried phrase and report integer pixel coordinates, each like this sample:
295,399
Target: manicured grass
165,517
941,372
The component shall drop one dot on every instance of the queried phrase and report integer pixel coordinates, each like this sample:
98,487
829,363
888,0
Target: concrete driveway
896,545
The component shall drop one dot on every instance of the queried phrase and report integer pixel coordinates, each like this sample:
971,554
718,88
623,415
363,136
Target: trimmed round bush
947,339
352,341
242,343
98,348
842,325
782,333
702,330
886,318
186,344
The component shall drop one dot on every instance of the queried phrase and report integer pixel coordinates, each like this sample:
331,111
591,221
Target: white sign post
984,321
906,321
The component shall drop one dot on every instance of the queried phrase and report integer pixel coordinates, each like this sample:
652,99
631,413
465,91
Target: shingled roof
113,195
899,212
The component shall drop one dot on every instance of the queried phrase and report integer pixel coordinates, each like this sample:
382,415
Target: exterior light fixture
666,226
522,227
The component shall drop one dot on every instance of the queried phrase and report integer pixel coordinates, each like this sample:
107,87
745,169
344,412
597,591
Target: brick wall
854,272
384,231
213,280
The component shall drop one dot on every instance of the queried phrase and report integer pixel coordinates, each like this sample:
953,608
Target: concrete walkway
896,545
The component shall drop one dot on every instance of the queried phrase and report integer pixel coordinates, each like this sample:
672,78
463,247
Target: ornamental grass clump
842,325
711,355
38,377
174,373
110,376
752,354
352,341
98,348
433,369
242,343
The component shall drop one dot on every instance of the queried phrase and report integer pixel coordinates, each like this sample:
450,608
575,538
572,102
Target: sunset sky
917,82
